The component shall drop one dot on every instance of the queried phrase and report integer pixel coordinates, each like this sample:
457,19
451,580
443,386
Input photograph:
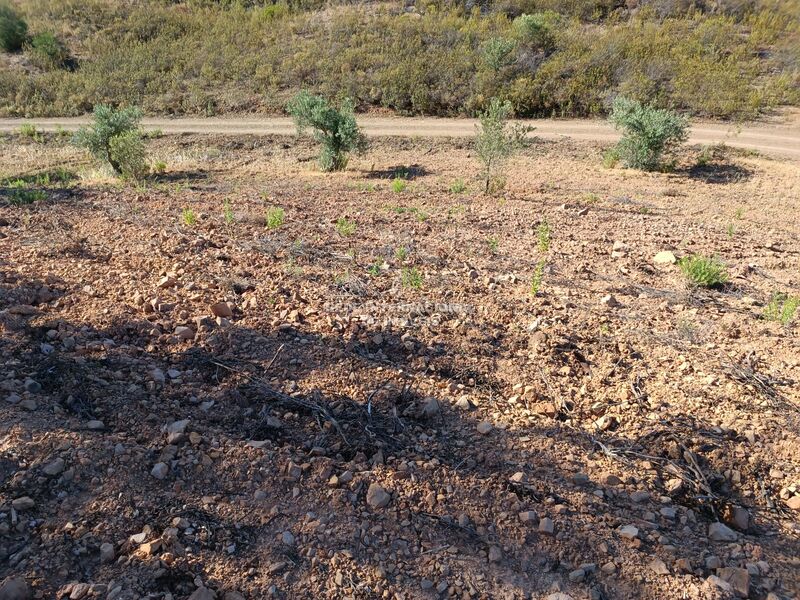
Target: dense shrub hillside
720,58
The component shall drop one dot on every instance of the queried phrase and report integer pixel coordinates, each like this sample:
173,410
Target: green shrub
20,193
538,276
336,130
411,277
537,29
648,133
275,217
48,51
543,236
345,227
114,138
188,217
13,30
399,185
781,308
458,187
496,141
29,130
499,53
704,271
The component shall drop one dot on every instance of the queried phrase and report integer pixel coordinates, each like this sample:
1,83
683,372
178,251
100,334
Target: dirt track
778,140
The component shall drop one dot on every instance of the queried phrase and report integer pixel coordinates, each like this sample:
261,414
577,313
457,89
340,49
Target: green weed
188,217
543,236
411,277
781,308
345,227
704,271
458,187
275,217
399,185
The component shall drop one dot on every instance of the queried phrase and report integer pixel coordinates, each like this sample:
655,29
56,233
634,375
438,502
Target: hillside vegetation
725,59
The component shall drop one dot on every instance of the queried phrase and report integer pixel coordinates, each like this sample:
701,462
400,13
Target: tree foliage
114,138
648,133
496,141
336,129
13,30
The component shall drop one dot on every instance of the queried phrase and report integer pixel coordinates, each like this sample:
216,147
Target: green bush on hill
546,57
13,30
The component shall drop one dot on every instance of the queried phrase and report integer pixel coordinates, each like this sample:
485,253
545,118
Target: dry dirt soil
368,400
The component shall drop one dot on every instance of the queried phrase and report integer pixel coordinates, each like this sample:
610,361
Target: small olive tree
496,141
336,129
648,133
13,30
114,138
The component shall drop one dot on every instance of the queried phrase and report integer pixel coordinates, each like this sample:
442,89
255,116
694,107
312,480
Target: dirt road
776,140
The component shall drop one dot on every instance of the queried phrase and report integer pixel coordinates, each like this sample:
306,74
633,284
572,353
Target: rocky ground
368,400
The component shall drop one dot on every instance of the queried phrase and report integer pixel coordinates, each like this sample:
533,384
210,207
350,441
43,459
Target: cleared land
382,407
777,140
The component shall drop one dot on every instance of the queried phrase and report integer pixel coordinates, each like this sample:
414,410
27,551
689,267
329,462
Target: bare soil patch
386,410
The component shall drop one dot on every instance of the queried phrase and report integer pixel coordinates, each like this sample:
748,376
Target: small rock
160,470
426,584
665,258
609,300
577,575
165,282
720,532
32,387
793,503
13,398
739,579
287,538
629,532
529,517
484,427
546,526
495,555
619,249
203,593
658,567
222,309
107,553
610,479
377,497
739,518
184,333
95,425
463,403
715,581
54,468
23,503
430,408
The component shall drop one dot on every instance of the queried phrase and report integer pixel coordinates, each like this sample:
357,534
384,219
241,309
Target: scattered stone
739,517
430,408
426,584
619,249
158,377
203,593
719,583
577,575
518,477
713,563
54,468
23,503
222,309
629,532
107,554
674,486
793,503
484,427
609,300
658,567
160,470
165,282
546,526
640,496
95,425
665,257
719,532
287,538
463,403
13,398
610,479
184,333
176,431
377,497
15,588
32,387
608,568
529,517
495,554
739,580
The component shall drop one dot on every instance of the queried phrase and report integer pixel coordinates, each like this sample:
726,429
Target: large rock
15,588
739,580
377,497
719,532
203,593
